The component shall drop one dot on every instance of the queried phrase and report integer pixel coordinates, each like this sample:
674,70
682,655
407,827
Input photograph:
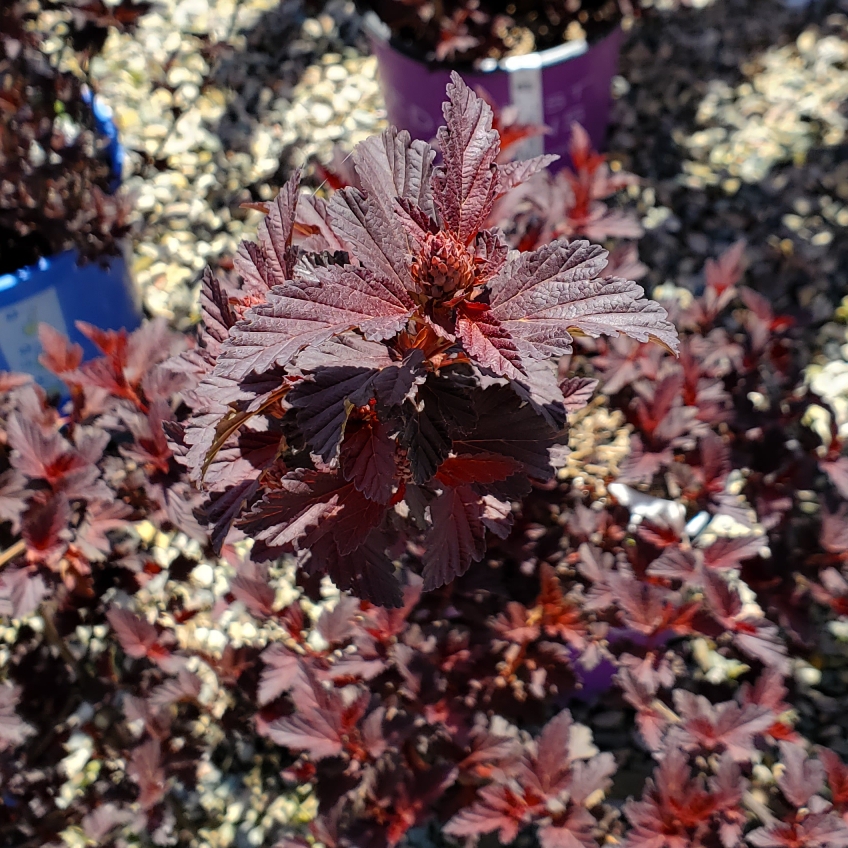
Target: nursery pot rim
538,59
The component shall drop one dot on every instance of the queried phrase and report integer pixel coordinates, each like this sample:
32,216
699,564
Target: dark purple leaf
466,185
541,297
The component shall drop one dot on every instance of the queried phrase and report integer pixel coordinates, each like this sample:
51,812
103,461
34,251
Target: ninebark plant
387,380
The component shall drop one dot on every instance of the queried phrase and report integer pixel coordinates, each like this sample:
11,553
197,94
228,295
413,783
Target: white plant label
527,96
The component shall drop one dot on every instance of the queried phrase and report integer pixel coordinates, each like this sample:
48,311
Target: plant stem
10,553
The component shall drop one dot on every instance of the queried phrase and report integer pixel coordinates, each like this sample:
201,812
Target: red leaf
552,761
46,455
486,342
677,811
315,731
275,232
539,298
46,531
255,593
145,768
801,777
58,354
756,637
837,471
9,380
641,465
674,564
443,409
651,720
577,392
324,402
218,314
498,808
651,609
282,667
309,505
391,166
725,726
468,469
732,552
466,185
100,519
508,427
490,752
725,273
559,617
185,687
458,535
21,591
834,530
308,311
363,228
365,571
14,495
337,625
837,778
815,830
368,460
140,639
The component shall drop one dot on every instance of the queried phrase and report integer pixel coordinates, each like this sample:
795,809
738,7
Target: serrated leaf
516,172
731,552
255,593
366,570
551,763
443,408
282,667
480,468
145,768
508,428
391,166
801,777
368,459
486,342
376,242
58,355
308,312
218,315
307,506
324,402
315,732
185,687
498,808
275,232
466,185
21,591
14,495
718,726
458,534
541,298
577,392
136,635
540,387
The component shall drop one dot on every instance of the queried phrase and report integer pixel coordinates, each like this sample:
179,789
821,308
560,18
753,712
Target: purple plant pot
554,87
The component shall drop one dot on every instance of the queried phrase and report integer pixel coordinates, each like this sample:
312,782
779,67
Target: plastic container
554,87
59,292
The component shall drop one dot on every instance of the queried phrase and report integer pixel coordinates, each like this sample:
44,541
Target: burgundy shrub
631,668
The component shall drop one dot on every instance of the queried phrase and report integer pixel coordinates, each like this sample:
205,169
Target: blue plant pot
58,291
